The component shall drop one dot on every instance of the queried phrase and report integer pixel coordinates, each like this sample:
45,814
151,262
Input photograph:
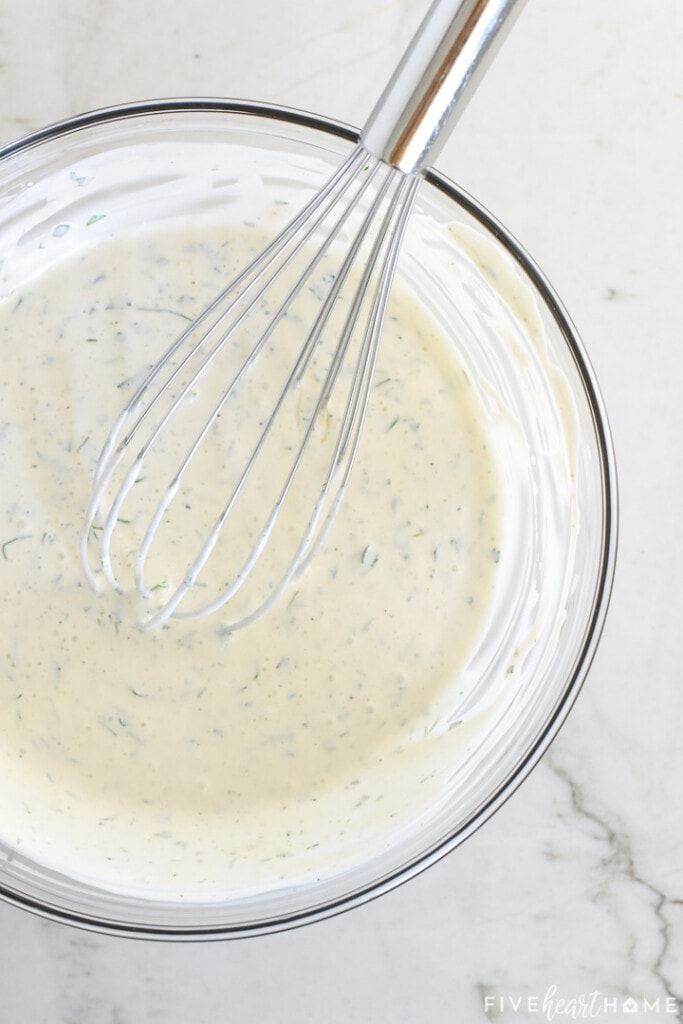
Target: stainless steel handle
437,75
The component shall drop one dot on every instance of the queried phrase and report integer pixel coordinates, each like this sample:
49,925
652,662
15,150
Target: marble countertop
574,890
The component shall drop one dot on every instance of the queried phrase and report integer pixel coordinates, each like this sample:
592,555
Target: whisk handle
438,73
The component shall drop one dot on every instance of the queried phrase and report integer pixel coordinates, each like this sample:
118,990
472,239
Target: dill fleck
369,556
13,540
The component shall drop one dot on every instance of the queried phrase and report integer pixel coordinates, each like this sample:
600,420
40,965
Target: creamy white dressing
188,760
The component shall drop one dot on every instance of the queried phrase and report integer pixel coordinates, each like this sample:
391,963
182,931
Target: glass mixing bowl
81,182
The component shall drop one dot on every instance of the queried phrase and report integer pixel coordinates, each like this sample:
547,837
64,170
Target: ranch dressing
189,761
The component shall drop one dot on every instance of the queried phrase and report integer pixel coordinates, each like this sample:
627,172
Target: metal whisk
281,477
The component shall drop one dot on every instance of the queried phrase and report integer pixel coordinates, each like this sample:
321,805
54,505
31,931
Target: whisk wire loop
175,376
388,237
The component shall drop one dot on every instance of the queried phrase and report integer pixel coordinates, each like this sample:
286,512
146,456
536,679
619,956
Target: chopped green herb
13,540
369,557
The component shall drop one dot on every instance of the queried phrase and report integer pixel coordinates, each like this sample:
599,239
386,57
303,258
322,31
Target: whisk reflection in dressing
263,397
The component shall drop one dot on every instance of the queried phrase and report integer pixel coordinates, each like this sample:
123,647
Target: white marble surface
576,886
